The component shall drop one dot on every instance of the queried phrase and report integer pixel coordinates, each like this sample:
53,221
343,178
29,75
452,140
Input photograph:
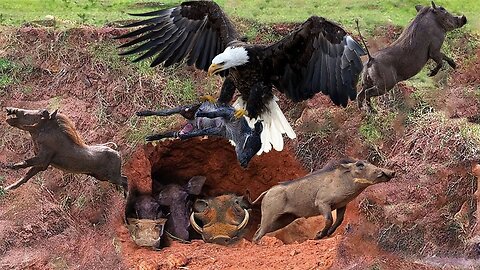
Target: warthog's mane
409,32
66,126
330,166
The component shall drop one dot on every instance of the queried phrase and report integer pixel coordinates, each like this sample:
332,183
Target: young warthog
405,57
318,193
210,119
144,219
57,143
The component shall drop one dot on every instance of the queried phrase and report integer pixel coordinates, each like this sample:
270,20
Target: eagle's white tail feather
274,125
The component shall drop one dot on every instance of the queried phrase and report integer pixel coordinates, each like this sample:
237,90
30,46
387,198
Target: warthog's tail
363,42
259,198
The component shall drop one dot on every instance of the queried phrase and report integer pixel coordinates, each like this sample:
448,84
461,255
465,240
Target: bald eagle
317,56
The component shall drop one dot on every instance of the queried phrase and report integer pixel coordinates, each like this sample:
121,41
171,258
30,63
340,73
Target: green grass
140,127
377,127
370,13
2,191
6,66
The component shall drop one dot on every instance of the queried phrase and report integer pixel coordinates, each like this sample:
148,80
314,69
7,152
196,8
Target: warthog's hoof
10,166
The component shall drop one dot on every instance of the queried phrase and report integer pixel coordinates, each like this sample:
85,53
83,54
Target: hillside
427,129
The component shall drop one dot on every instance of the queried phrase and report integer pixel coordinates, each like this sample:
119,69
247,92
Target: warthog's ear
164,197
418,7
200,205
53,115
195,185
433,5
345,166
45,114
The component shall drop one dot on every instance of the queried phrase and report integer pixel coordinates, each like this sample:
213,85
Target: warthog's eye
360,165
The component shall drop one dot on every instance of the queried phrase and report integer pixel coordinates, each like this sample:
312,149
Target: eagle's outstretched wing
195,30
317,56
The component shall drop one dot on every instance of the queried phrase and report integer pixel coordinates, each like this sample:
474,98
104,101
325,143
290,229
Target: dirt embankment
424,218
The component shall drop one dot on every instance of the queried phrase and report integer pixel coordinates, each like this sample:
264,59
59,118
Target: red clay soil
64,221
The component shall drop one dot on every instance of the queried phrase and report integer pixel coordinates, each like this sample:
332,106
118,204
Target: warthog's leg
338,221
42,160
165,112
436,56
449,61
224,112
39,163
35,161
214,131
269,224
361,98
159,136
326,211
367,94
24,179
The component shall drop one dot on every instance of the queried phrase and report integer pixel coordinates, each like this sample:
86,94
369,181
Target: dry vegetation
423,130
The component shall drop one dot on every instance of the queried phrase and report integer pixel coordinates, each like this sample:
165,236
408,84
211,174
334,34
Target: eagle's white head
231,57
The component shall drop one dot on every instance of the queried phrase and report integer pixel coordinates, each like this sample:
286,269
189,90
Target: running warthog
318,193
57,143
405,57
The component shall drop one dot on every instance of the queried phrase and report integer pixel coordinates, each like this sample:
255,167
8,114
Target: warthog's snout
389,174
462,21
11,111
222,240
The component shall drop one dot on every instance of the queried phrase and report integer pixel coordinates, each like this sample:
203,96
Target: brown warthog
144,219
318,193
405,57
223,218
57,143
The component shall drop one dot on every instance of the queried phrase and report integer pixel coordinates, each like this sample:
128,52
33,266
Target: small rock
294,252
177,260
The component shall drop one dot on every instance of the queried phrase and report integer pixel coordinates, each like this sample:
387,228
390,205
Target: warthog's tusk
363,181
244,223
195,225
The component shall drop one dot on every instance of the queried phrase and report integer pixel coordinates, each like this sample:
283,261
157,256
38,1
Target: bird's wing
317,56
195,30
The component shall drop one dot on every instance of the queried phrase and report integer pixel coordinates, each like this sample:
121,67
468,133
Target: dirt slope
422,219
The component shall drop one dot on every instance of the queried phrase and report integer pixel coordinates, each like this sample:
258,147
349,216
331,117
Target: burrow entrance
176,161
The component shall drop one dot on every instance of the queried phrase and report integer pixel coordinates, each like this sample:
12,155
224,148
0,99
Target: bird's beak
214,68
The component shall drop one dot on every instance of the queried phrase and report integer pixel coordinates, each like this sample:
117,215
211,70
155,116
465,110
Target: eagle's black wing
317,56
195,30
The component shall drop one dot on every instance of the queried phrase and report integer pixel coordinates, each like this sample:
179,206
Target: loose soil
423,219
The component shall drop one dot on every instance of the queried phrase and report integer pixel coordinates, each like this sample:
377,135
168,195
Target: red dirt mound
176,161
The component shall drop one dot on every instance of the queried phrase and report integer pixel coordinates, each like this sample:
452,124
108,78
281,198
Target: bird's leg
208,98
239,113
255,103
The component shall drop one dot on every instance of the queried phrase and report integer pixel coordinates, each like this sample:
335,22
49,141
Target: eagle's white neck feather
232,57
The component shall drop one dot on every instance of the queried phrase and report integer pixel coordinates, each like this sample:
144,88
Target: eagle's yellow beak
214,68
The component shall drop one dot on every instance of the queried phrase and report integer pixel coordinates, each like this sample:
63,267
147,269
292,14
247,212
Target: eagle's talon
208,98
239,113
